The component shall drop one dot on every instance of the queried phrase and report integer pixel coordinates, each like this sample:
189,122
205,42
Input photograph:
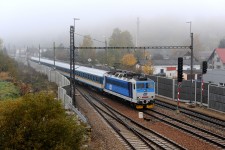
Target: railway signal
179,79
180,69
204,67
204,70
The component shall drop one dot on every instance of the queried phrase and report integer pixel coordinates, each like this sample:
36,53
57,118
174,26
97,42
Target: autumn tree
62,53
118,39
222,43
85,54
37,121
129,61
197,43
158,56
7,64
1,44
148,68
101,57
48,54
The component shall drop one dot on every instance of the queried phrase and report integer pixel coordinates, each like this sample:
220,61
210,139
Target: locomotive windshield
150,85
140,85
145,85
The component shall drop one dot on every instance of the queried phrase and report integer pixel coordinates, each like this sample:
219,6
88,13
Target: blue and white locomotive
139,91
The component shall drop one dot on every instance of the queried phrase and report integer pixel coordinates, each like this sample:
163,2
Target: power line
147,47
90,38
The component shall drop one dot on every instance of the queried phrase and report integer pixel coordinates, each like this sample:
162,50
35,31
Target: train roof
127,75
93,71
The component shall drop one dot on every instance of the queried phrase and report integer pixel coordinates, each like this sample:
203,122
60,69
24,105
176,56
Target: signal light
204,67
180,69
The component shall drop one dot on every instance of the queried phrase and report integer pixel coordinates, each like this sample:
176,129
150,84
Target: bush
8,90
37,121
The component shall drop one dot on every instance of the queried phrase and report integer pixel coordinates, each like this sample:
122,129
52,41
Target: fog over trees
161,22
222,43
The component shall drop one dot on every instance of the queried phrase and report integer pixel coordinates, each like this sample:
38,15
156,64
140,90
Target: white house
217,59
216,67
168,67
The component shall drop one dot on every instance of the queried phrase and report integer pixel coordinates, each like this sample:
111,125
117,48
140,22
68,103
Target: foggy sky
162,22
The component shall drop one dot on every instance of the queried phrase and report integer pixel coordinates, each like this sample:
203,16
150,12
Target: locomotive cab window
149,85
140,85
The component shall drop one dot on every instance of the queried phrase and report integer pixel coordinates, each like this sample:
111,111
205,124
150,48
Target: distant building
196,75
169,67
216,67
203,55
217,59
215,76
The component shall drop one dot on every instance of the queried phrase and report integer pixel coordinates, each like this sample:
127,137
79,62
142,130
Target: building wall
172,74
216,62
216,76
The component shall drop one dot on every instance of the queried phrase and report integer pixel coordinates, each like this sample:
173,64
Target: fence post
208,95
50,78
195,91
157,85
173,89
64,98
55,76
58,93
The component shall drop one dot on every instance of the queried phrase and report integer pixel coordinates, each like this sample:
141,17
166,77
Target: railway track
200,133
133,134
218,123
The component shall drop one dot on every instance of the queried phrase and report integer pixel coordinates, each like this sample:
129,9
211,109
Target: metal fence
217,98
212,96
61,81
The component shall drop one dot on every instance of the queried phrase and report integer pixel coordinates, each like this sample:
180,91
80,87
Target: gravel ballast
102,136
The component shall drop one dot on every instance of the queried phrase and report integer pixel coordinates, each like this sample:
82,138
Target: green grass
8,90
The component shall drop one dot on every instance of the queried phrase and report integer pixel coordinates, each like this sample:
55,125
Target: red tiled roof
221,53
170,68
